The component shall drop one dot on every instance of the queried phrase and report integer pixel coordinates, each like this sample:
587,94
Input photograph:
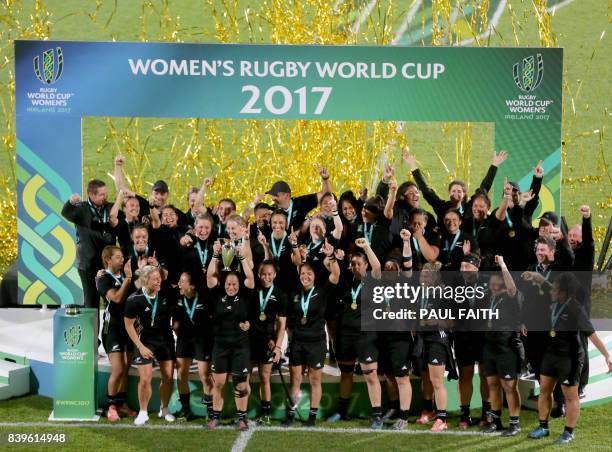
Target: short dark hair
567,282
270,262
94,184
547,240
229,201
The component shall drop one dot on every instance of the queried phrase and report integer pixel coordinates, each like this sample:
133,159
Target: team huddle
237,291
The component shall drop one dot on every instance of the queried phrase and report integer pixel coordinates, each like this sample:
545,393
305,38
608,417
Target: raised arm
498,159
212,273
326,186
501,211
430,252
372,259
334,268
247,267
390,200
120,182
338,226
113,217
71,210
155,220
428,193
536,185
508,281
199,201
406,250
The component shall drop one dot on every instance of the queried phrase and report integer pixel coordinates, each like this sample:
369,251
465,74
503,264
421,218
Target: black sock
544,423
121,397
290,413
343,407
465,412
441,414
514,420
312,414
486,407
496,417
266,406
569,430
428,405
376,412
184,399
208,401
111,400
216,415
241,415
403,414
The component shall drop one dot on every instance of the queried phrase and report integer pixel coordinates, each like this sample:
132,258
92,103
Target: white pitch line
406,22
365,12
242,440
244,436
553,8
492,24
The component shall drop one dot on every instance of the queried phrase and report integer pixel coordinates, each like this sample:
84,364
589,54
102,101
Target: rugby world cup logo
72,335
528,73
50,69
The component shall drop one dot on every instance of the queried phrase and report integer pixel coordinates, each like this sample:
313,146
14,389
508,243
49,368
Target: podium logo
528,73
50,69
72,335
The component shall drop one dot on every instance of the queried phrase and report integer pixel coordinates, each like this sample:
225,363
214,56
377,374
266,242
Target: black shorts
231,357
399,357
311,354
361,346
115,339
163,350
565,368
260,350
468,348
203,348
503,359
434,353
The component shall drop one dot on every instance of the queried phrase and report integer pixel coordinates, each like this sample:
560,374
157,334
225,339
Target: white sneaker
165,414
142,418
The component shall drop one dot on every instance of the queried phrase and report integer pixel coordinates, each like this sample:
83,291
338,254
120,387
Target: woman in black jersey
503,353
312,250
192,325
124,220
140,251
230,313
279,249
477,225
147,321
424,242
373,227
167,238
564,355
356,345
268,320
114,285
349,209
307,347
436,352
197,247
455,242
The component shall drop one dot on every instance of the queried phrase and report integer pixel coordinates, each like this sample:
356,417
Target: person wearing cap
298,207
457,189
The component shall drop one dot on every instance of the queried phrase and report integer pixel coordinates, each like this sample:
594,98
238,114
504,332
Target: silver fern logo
528,73
49,69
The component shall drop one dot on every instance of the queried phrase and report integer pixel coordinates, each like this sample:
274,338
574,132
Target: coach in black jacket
93,234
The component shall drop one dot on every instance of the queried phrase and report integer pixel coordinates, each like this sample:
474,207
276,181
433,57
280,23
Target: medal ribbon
203,254
263,302
367,233
118,279
190,311
355,292
289,214
277,251
556,313
305,303
153,304
446,248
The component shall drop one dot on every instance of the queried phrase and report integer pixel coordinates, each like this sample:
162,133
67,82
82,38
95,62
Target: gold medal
353,306
262,316
511,233
552,333
303,320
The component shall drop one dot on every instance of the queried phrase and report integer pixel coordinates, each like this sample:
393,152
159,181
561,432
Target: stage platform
27,334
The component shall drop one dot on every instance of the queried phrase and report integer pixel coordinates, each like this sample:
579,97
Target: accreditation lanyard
314,246
153,304
460,209
367,232
289,214
450,250
203,254
190,310
103,218
263,301
508,220
556,313
118,279
276,251
306,302
145,253
417,248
